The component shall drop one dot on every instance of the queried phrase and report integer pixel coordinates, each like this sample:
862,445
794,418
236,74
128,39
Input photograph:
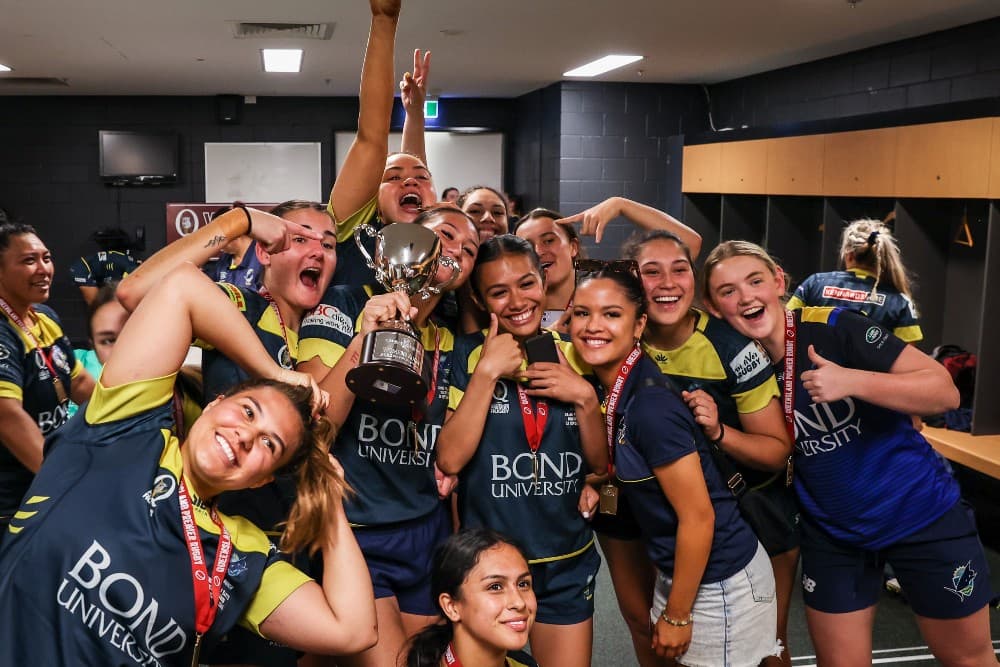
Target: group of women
569,402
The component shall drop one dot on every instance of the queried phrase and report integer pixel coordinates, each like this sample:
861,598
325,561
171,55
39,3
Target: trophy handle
443,260
370,231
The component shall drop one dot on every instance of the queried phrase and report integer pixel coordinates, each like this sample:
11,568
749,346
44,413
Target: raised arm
413,92
596,218
270,231
184,305
361,173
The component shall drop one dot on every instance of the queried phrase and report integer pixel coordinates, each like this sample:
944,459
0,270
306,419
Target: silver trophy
407,258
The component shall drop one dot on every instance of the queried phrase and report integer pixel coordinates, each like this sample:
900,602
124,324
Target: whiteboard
455,159
263,171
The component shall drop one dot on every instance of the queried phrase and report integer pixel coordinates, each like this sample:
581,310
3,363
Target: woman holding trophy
386,364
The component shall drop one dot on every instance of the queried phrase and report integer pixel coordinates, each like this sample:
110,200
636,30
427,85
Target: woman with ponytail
120,534
481,584
874,281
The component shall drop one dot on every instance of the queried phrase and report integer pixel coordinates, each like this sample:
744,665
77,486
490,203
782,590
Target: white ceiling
502,48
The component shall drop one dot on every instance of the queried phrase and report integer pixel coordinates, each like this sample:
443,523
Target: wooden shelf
979,452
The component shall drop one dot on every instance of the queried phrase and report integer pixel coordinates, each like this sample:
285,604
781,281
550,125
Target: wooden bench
979,452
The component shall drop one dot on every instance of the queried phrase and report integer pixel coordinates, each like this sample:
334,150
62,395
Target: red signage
183,219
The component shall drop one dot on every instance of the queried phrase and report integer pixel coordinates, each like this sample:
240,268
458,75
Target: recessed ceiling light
282,60
602,65
4,68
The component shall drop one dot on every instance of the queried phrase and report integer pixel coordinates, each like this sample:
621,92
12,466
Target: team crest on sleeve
163,488
963,581
331,317
237,565
873,335
749,361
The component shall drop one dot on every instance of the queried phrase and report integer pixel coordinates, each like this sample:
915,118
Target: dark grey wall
49,162
946,67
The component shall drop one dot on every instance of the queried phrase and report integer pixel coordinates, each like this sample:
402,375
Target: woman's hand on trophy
502,356
384,307
275,234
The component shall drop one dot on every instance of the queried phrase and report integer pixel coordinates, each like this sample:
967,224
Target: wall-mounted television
138,157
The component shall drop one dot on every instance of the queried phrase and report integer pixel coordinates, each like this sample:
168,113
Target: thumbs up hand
827,381
501,354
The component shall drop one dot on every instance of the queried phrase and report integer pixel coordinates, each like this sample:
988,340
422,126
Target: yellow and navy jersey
852,289
388,461
102,267
498,487
25,377
219,372
96,554
732,368
862,472
352,269
655,428
248,273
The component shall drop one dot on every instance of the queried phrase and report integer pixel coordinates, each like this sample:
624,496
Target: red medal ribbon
281,320
416,412
31,337
788,381
206,589
450,658
612,406
534,419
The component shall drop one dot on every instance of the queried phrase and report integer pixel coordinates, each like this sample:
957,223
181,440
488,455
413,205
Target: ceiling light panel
602,65
282,60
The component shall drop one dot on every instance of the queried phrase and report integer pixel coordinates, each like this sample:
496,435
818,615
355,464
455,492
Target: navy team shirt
862,472
391,471
497,487
655,428
95,570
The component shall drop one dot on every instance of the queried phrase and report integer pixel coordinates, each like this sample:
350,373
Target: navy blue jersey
862,472
219,372
391,470
852,289
102,267
497,487
732,368
25,377
246,274
95,569
352,269
655,428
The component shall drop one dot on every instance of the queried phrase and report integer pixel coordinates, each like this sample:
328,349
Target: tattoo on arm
216,240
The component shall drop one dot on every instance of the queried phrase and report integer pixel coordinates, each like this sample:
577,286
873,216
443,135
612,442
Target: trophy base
390,369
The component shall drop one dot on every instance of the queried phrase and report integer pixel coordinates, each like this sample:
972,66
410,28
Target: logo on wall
186,221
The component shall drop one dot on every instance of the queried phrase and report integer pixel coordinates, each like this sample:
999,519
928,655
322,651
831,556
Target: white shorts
735,620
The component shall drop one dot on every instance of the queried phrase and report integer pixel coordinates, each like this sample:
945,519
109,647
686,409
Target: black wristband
241,205
722,434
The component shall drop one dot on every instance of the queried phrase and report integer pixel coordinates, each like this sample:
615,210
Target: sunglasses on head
585,266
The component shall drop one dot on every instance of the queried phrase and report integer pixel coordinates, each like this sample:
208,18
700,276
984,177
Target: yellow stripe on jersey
279,581
270,323
699,360
795,303
11,390
346,227
572,554
127,400
235,295
819,314
33,500
44,329
328,351
77,369
910,334
24,515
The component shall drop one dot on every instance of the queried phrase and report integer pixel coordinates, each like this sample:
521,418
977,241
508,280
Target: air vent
247,29
32,81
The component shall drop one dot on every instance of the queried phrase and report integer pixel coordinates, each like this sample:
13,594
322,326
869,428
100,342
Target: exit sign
430,109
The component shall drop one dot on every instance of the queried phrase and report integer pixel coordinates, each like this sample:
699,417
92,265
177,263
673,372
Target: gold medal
609,499
789,472
411,428
534,466
197,650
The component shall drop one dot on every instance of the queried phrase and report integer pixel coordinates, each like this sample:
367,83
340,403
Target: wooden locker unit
860,164
744,167
944,159
795,165
702,168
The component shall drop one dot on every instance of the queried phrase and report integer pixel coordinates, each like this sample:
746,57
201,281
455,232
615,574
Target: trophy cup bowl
407,257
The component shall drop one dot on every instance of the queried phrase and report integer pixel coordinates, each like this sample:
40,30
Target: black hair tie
873,237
